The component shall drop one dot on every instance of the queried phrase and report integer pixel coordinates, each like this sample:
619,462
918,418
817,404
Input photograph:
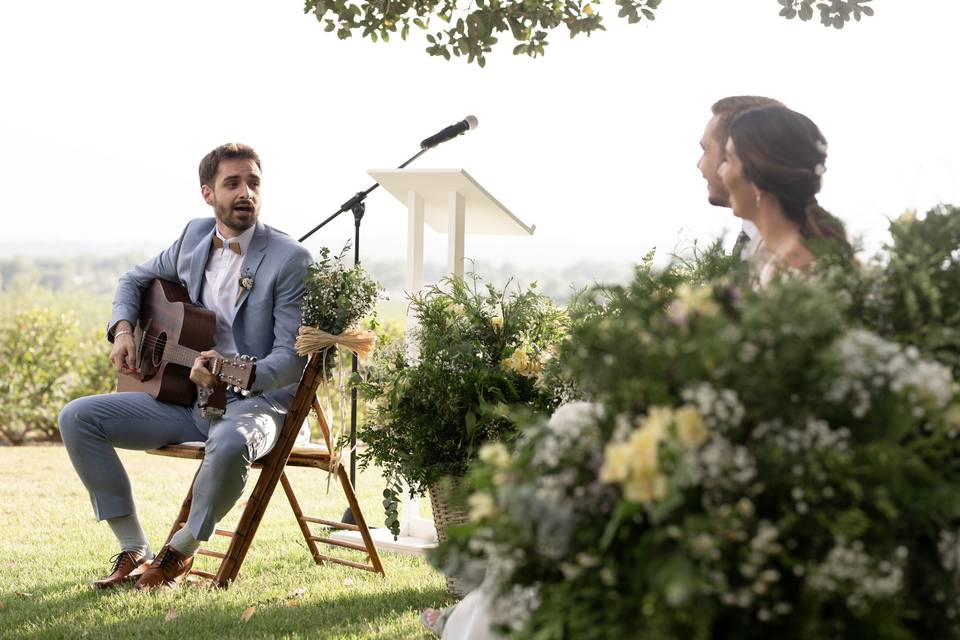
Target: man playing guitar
251,276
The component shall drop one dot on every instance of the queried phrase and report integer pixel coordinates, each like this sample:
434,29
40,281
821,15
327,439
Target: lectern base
383,540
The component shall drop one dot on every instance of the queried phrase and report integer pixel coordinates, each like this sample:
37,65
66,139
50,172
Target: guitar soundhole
157,354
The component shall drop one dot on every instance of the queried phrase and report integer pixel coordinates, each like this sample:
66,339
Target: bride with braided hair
773,171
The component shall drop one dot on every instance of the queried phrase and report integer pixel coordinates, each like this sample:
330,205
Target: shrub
474,350
779,463
46,361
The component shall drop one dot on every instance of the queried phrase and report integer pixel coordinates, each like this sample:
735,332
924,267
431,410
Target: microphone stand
357,204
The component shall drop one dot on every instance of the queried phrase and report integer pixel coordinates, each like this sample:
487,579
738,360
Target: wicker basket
446,514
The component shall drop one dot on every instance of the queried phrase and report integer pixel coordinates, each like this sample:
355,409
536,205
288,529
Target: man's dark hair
726,109
230,151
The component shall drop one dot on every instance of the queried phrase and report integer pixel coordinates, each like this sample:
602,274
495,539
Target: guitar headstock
238,371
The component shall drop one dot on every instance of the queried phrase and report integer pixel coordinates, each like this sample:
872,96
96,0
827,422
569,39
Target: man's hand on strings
200,373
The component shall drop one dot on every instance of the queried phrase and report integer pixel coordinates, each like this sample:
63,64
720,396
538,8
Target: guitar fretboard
172,352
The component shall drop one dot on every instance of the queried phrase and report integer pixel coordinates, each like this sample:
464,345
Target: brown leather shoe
125,564
168,569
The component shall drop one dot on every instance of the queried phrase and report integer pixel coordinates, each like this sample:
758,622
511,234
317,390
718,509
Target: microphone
454,130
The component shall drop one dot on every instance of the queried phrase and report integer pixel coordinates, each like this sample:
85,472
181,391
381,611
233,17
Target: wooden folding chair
272,471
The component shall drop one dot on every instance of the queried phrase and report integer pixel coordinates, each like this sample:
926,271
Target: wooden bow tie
233,246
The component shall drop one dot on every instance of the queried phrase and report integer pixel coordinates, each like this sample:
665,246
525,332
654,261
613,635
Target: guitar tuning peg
244,392
253,358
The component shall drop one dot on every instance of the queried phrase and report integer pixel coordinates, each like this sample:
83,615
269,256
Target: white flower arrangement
762,464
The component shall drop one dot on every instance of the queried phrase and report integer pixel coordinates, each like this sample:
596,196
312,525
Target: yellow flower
646,488
616,462
522,362
658,419
635,464
692,300
690,426
645,448
907,217
495,453
497,322
482,506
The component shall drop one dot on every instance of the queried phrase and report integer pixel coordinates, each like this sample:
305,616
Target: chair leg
361,522
298,513
270,473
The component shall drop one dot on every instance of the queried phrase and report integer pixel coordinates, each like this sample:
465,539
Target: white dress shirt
221,288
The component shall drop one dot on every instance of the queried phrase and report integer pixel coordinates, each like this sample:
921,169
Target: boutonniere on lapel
246,284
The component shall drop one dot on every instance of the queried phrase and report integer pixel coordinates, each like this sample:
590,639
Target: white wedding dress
471,619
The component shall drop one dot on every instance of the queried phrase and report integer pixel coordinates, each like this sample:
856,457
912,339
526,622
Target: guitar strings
153,341
171,349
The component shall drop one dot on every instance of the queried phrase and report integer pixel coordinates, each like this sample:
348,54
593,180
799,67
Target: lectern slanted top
449,201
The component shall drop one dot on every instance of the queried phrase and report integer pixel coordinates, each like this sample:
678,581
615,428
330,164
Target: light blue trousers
93,428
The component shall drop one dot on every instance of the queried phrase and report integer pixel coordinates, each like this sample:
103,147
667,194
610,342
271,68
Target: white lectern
449,201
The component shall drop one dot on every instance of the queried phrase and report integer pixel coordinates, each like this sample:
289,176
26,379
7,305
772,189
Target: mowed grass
51,549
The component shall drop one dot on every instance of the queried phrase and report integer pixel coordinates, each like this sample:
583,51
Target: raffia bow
313,340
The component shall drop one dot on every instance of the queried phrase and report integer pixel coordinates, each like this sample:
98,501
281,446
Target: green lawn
51,548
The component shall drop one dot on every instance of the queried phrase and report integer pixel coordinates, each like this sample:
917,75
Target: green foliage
472,32
833,13
919,288
910,292
476,349
53,350
46,360
337,297
753,464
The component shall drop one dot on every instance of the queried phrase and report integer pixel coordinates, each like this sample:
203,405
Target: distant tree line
97,276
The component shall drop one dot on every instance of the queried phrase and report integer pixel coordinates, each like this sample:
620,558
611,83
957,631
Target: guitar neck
179,354
237,371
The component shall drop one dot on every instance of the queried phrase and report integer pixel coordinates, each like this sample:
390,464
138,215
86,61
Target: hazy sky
107,107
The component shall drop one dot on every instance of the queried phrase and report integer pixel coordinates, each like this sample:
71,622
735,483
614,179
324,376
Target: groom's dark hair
230,151
726,109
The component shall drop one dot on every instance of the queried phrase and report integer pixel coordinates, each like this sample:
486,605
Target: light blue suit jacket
268,315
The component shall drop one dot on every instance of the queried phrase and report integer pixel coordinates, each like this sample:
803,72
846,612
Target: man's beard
718,197
224,215
719,201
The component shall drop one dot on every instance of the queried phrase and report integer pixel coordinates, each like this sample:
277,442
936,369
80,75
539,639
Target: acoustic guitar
170,334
